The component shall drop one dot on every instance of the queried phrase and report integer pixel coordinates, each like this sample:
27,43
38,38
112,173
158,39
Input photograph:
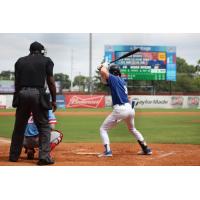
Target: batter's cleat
146,151
105,154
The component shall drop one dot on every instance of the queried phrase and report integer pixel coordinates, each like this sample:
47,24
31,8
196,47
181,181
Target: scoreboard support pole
154,90
170,87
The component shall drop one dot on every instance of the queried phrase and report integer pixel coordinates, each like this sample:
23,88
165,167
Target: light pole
79,85
90,62
72,60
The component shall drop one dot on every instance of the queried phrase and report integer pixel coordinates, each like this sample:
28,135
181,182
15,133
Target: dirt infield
124,154
95,113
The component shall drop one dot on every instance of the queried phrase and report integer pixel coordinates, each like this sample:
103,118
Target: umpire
31,74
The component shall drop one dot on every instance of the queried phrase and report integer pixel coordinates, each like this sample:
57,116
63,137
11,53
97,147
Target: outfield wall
100,101
2,101
162,101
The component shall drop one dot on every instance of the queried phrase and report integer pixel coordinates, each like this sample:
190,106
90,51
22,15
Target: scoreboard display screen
151,63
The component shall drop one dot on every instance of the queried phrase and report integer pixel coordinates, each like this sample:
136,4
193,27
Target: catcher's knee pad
56,138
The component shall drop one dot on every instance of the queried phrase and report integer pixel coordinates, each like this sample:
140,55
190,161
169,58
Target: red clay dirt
95,113
124,154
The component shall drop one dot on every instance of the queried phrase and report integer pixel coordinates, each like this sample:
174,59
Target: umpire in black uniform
31,74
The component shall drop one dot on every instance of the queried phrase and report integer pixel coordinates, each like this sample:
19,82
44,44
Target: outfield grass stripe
182,128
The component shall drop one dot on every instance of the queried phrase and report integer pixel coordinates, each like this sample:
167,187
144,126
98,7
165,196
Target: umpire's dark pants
29,101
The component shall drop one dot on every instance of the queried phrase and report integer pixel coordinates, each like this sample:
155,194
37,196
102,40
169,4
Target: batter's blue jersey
118,89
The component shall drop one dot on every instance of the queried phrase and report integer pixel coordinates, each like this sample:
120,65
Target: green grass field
156,129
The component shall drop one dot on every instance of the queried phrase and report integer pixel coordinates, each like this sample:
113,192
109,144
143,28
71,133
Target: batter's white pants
119,113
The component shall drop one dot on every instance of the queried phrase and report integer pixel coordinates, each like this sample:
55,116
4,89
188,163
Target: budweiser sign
85,101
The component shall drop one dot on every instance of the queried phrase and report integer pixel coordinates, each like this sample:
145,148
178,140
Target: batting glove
99,67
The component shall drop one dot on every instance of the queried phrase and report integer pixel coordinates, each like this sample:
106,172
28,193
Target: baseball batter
122,110
31,135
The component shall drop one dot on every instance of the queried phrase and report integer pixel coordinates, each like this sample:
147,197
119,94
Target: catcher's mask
36,47
115,70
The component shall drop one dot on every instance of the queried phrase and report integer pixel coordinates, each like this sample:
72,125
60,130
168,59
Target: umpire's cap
36,46
115,70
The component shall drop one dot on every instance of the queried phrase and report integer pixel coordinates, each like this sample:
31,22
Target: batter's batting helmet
115,70
37,47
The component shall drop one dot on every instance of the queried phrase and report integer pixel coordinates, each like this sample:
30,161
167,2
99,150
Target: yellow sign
162,56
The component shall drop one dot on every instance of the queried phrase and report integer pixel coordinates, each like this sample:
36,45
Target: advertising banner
152,101
7,86
193,101
162,101
9,99
108,101
177,101
85,101
60,101
2,101
101,101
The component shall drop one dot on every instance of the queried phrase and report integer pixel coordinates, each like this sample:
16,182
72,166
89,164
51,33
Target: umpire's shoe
12,159
42,162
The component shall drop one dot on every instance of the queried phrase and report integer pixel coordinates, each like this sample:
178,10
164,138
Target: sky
70,51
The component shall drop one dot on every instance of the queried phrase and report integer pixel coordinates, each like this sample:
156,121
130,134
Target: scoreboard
151,63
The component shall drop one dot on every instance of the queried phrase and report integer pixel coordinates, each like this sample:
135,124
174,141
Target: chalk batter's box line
163,155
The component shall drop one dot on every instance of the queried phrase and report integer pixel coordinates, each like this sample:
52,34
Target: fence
101,101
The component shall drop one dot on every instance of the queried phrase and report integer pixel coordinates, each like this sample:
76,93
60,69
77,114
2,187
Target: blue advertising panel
60,101
151,63
7,86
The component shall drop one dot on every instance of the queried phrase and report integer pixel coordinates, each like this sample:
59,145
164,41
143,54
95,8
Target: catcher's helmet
115,70
37,47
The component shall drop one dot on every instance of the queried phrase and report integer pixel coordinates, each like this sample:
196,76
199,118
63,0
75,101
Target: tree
82,82
64,79
196,83
183,67
198,66
183,83
185,77
98,86
7,75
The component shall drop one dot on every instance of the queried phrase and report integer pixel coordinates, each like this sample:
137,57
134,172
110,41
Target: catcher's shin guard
56,138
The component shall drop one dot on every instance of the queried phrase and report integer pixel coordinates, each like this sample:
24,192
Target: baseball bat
126,55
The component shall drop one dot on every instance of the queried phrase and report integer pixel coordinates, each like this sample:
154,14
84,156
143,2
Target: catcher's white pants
33,141
119,113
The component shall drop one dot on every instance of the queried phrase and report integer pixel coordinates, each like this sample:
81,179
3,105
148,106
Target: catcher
31,136
122,109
